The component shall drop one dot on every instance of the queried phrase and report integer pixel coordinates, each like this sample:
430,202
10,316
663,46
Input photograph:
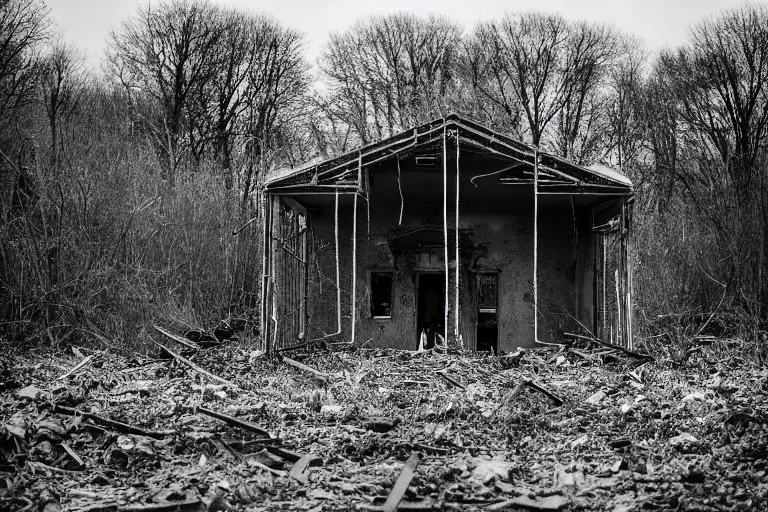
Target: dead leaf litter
382,430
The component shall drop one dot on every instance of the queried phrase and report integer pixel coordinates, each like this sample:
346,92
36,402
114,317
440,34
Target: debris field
584,427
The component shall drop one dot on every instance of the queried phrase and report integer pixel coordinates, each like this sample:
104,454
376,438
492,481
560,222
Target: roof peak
470,131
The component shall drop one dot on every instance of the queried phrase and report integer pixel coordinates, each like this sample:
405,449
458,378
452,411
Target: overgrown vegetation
121,192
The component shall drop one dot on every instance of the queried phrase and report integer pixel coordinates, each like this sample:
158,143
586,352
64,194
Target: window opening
381,294
487,313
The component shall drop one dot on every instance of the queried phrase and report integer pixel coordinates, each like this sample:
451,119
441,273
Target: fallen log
103,506
630,353
194,366
546,504
192,505
425,505
451,379
428,448
179,339
229,449
243,446
77,367
259,465
123,428
408,382
301,366
245,425
558,401
71,453
530,384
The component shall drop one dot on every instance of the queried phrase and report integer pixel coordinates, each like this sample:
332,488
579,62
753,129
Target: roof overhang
555,174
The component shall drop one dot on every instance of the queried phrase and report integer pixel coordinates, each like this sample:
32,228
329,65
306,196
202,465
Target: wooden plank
245,425
106,422
77,367
541,389
179,339
298,471
195,367
401,484
451,380
317,373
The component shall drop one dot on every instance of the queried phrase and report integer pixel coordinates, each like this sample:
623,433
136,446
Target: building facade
448,231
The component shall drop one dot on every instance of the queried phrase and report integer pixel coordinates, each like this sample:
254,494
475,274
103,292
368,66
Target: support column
266,270
445,233
536,245
456,333
627,246
353,306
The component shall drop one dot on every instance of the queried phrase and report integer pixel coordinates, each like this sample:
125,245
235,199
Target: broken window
487,316
381,294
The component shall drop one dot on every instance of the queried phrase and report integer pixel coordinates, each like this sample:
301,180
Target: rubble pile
226,428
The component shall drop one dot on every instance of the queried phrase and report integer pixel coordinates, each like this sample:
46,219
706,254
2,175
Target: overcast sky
660,22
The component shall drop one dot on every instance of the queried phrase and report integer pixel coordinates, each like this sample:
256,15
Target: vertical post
456,307
338,276
304,239
621,333
265,270
630,339
354,247
366,188
595,279
626,273
445,229
354,268
273,288
604,277
618,277
535,244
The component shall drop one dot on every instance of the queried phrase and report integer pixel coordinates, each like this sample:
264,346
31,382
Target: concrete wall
502,233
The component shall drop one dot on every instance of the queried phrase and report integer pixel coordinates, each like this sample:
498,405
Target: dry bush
102,248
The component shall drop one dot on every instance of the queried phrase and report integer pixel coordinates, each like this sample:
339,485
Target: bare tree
547,76
390,72
719,83
24,25
165,53
61,84
526,67
486,91
276,83
234,55
592,50
624,104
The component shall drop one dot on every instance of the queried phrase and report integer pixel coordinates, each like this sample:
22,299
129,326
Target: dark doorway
430,312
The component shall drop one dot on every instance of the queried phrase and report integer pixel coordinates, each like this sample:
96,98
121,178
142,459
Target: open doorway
430,310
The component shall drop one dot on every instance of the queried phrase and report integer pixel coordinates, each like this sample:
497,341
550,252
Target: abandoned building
447,231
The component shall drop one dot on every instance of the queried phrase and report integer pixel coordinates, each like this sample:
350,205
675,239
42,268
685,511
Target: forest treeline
127,192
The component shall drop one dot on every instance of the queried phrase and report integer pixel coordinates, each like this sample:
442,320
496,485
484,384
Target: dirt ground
628,435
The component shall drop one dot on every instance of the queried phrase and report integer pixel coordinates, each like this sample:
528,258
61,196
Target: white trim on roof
609,173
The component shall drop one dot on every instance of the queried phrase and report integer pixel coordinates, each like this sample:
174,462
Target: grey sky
660,22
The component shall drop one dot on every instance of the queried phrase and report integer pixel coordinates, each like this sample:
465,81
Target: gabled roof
553,170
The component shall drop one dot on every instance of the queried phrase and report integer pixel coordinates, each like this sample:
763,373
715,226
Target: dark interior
430,315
